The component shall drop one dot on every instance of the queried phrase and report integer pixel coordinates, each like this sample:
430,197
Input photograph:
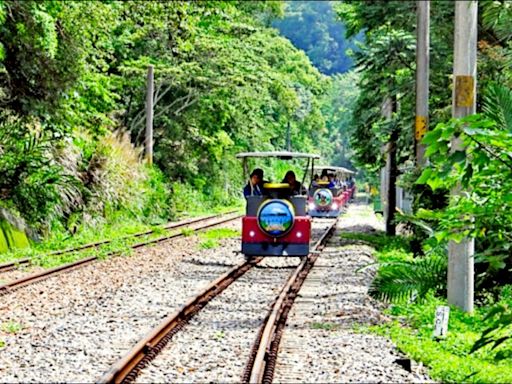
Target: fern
497,16
498,105
409,280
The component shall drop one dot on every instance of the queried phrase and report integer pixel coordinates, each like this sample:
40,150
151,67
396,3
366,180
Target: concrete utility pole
461,255
422,74
149,115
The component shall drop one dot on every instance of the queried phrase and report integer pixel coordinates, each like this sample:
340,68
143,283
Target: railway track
128,368
36,277
262,361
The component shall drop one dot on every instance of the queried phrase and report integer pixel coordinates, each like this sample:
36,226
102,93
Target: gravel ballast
319,344
75,325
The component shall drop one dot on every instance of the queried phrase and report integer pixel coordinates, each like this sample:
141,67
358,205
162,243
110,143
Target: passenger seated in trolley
316,179
295,186
254,186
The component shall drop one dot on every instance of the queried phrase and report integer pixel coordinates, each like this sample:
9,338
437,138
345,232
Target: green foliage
410,280
209,244
498,335
325,326
484,170
11,237
32,178
401,277
211,237
220,233
11,327
390,248
337,104
312,27
187,232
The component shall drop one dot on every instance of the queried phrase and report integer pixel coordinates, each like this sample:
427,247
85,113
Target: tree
312,27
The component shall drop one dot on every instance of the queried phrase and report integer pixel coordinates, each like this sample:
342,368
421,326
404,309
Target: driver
255,185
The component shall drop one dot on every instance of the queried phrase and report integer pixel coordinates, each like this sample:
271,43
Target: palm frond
497,16
498,105
409,280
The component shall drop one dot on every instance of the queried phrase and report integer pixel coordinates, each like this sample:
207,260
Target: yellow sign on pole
464,90
421,127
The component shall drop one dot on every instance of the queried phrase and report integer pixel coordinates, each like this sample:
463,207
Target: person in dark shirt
255,185
295,186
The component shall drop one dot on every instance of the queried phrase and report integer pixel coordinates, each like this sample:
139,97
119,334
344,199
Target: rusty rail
9,266
128,367
262,360
30,279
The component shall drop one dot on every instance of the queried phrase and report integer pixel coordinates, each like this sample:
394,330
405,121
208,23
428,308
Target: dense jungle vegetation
72,98
313,27
413,275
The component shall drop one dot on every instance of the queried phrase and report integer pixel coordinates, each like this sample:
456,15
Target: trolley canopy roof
284,155
333,168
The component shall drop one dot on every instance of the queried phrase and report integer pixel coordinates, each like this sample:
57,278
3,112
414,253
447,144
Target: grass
411,329
388,248
211,238
11,327
448,359
325,326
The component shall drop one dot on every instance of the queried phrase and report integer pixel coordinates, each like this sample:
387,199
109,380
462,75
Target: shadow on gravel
276,267
209,263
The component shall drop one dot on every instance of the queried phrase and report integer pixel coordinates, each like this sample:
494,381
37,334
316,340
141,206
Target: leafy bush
484,170
117,184
38,186
401,277
410,280
498,334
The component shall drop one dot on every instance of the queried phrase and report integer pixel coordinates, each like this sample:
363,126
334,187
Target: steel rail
8,266
129,366
33,278
261,363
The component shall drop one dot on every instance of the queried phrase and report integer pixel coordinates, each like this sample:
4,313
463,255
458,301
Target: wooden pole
149,115
461,255
422,76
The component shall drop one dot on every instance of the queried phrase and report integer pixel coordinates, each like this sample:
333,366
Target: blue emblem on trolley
276,217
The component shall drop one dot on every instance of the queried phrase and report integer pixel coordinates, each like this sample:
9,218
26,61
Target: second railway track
10,265
197,224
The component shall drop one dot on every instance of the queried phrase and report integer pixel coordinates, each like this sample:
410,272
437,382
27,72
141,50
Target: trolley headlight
311,206
334,206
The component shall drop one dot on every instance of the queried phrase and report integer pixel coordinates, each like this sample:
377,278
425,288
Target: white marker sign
441,321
